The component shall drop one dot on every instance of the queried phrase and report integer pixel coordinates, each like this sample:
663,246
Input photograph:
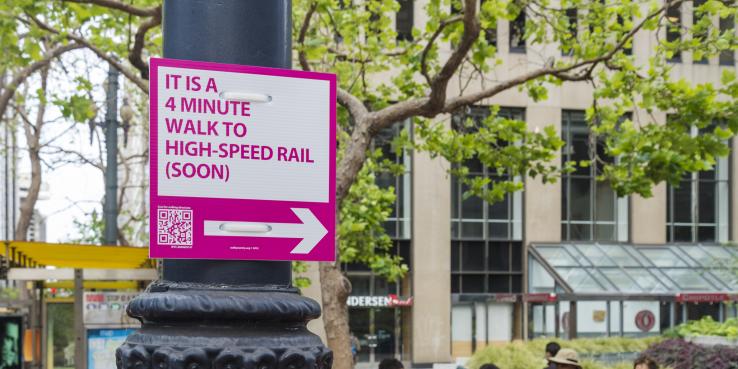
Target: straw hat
566,356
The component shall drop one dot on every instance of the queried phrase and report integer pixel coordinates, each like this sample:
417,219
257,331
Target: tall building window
486,247
727,24
673,29
699,16
698,209
404,21
517,33
398,223
590,209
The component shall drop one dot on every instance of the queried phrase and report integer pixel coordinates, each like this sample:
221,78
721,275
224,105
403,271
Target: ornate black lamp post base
192,326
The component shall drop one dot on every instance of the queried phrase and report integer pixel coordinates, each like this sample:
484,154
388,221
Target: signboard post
242,162
242,176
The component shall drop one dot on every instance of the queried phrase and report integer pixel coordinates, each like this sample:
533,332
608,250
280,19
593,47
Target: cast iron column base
195,326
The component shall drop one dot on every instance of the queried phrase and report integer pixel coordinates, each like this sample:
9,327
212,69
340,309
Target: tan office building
564,259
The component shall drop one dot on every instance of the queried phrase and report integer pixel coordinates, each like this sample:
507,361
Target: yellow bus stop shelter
67,255
73,266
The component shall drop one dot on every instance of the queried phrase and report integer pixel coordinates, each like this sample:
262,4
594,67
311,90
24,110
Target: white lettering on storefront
368,301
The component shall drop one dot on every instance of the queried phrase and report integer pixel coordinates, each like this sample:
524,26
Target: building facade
483,273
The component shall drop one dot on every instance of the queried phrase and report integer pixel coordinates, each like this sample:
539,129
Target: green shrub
529,354
708,327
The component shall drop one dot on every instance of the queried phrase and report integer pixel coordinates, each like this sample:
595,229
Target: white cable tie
245,96
240,227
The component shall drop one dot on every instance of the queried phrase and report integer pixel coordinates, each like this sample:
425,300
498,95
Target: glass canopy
631,269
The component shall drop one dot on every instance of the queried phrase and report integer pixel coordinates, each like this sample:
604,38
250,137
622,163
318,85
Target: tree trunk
33,139
29,202
335,288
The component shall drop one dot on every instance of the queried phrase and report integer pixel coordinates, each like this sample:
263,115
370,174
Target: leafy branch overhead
357,40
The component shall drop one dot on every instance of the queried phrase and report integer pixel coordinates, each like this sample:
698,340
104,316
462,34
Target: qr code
174,227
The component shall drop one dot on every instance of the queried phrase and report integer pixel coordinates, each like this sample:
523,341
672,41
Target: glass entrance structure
597,289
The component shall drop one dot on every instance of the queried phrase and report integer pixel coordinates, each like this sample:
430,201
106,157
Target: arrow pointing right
310,230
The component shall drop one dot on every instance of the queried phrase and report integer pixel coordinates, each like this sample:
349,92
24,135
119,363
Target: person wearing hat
566,359
552,348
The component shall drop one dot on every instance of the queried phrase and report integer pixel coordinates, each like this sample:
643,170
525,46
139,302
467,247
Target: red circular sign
645,320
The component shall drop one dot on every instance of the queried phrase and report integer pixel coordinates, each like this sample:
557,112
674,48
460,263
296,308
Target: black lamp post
225,314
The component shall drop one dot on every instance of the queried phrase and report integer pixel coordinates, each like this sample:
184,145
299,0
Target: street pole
111,166
80,333
213,313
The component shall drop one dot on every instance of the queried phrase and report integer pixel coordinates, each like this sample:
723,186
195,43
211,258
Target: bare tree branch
455,103
101,54
134,56
355,107
9,89
439,83
118,5
303,33
431,42
81,158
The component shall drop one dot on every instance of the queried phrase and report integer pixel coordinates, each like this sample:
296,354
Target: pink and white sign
242,162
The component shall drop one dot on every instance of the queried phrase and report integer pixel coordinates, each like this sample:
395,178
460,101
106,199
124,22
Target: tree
32,132
442,68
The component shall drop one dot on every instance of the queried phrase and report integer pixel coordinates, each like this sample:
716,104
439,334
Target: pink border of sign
219,247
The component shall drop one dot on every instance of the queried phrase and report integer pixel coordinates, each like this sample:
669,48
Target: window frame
620,206
722,227
485,275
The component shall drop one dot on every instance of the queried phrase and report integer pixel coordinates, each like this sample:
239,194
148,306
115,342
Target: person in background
391,363
566,359
552,348
355,346
645,362
489,366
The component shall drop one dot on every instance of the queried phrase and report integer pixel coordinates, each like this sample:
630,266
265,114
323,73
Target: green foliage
89,231
9,293
708,327
299,280
79,108
361,234
529,354
506,146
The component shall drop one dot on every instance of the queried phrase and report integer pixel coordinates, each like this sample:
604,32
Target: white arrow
310,230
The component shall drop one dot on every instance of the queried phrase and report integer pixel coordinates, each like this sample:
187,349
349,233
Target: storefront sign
645,320
108,309
702,297
379,301
101,346
242,162
504,297
540,297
